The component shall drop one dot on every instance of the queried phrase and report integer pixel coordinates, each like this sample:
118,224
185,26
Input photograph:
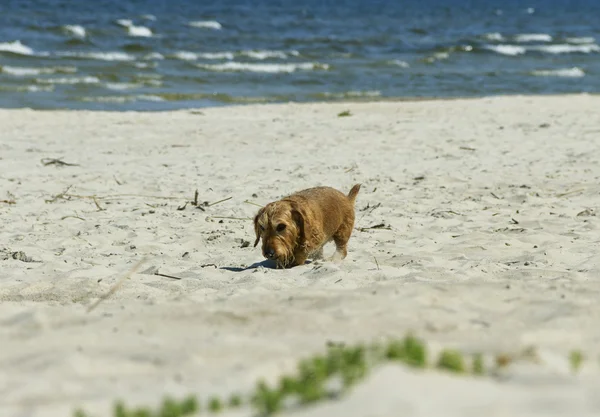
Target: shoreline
353,100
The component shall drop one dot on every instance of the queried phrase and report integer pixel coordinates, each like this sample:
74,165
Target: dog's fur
296,227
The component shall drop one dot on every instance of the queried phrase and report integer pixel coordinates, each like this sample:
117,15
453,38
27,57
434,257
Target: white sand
494,249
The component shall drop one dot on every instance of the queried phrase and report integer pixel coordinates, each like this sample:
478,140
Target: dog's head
280,225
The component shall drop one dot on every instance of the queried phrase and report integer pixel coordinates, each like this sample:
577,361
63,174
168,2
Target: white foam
533,37
217,55
151,80
206,24
107,99
28,88
150,97
566,48
150,17
121,86
139,31
564,72
400,63
264,54
193,56
154,56
102,56
153,83
27,71
125,22
494,36
263,68
581,40
69,80
503,49
122,99
438,56
22,71
16,47
76,31
530,10
185,56
39,88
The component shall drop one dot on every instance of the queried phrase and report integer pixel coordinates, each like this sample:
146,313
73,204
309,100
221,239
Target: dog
297,227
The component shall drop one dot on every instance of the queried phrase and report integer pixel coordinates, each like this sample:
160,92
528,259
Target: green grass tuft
235,401
416,352
478,366
345,113
410,350
451,360
215,405
576,359
265,400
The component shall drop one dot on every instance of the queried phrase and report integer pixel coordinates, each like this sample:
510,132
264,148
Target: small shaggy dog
298,226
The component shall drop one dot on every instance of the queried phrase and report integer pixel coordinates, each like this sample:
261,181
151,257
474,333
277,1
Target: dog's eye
280,227
261,227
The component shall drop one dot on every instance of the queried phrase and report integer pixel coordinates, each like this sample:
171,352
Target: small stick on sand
8,201
217,202
117,285
60,195
53,161
377,226
231,218
570,192
376,206
495,196
72,217
97,204
117,181
166,276
252,203
107,197
195,202
376,263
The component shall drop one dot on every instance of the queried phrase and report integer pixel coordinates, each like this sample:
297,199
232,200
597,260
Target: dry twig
217,202
231,218
54,161
166,276
377,226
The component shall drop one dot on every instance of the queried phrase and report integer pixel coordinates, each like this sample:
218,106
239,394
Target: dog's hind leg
341,238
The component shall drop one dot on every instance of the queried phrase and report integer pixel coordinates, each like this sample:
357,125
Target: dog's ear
260,212
299,218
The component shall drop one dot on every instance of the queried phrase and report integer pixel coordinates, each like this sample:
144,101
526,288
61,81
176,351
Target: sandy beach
475,228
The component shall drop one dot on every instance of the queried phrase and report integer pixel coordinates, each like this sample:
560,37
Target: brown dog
298,226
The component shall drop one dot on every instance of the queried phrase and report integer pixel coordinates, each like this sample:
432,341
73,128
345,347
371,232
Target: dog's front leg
299,257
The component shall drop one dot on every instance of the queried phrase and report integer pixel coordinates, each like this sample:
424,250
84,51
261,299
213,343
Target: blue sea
159,55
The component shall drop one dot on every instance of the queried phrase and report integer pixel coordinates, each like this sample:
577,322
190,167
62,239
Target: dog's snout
269,253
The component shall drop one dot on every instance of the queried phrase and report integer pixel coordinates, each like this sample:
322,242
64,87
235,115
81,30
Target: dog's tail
354,192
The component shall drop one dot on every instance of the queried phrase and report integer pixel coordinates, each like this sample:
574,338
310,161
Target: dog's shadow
265,264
